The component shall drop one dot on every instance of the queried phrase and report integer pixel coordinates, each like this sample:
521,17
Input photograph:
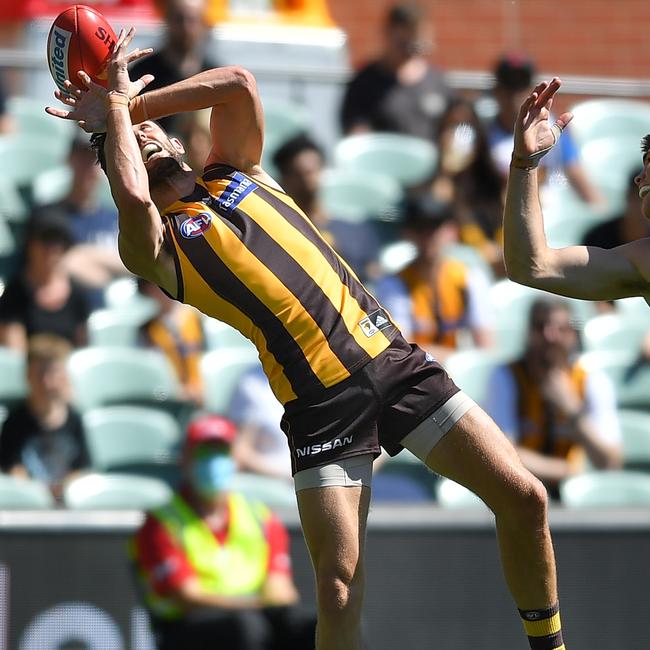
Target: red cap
210,428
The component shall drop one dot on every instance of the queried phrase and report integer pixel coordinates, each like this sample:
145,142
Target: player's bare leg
476,454
334,524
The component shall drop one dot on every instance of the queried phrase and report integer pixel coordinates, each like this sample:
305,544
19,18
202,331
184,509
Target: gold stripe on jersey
337,292
193,283
297,321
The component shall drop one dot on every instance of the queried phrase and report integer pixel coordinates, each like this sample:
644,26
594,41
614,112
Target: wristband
531,161
115,99
524,163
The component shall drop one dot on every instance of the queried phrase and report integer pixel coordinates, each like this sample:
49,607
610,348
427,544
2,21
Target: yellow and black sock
543,628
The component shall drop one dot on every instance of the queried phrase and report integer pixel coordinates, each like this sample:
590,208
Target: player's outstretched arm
576,271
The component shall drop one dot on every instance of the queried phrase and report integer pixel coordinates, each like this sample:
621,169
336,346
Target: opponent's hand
117,66
534,135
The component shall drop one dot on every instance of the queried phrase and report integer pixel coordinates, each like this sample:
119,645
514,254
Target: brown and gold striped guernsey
247,255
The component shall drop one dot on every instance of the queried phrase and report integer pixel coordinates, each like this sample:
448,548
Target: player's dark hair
285,155
97,142
645,144
404,15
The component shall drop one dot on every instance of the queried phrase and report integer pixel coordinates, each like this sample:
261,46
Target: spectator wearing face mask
214,567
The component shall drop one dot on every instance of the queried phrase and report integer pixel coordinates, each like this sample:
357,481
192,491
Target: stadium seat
613,332
450,494
403,478
105,376
408,160
609,162
611,117
51,185
606,489
353,195
119,435
282,121
119,326
13,384
8,251
395,256
273,492
13,208
24,494
123,293
22,157
220,335
633,309
635,426
221,371
630,376
31,119
472,369
115,492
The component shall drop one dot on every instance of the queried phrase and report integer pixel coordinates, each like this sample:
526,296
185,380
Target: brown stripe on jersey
294,277
279,342
356,289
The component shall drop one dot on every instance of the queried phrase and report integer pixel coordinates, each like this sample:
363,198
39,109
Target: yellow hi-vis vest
236,568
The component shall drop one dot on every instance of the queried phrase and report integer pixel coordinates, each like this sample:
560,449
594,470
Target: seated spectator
43,438
434,298
626,227
556,413
514,75
93,260
400,92
261,445
176,330
300,162
42,298
214,567
468,179
182,53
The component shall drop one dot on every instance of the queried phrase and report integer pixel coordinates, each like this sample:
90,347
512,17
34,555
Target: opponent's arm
576,271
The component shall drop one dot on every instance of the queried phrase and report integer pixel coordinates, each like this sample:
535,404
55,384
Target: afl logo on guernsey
195,226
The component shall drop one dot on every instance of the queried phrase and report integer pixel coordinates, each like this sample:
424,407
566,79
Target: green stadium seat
403,478
112,375
450,494
220,335
51,185
631,377
354,195
472,369
123,294
115,492
8,250
221,371
613,332
282,121
614,118
395,256
31,119
606,489
119,326
24,494
406,159
635,426
13,383
274,492
633,309
121,435
13,208
23,157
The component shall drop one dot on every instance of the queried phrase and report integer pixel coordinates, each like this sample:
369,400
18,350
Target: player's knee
527,501
339,593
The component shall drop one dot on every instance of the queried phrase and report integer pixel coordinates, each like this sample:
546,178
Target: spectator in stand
400,92
468,179
93,260
182,53
300,162
514,75
176,330
261,445
557,414
6,122
626,227
42,437
434,298
42,298
214,566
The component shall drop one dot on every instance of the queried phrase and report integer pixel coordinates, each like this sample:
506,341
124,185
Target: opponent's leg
476,454
334,525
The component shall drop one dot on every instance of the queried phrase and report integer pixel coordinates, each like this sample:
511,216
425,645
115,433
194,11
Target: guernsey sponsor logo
196,226
237,190
312,450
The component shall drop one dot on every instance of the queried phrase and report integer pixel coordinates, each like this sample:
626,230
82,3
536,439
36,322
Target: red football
80,39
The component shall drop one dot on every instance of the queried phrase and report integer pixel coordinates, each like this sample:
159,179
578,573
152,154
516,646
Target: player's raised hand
535,136
117,66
